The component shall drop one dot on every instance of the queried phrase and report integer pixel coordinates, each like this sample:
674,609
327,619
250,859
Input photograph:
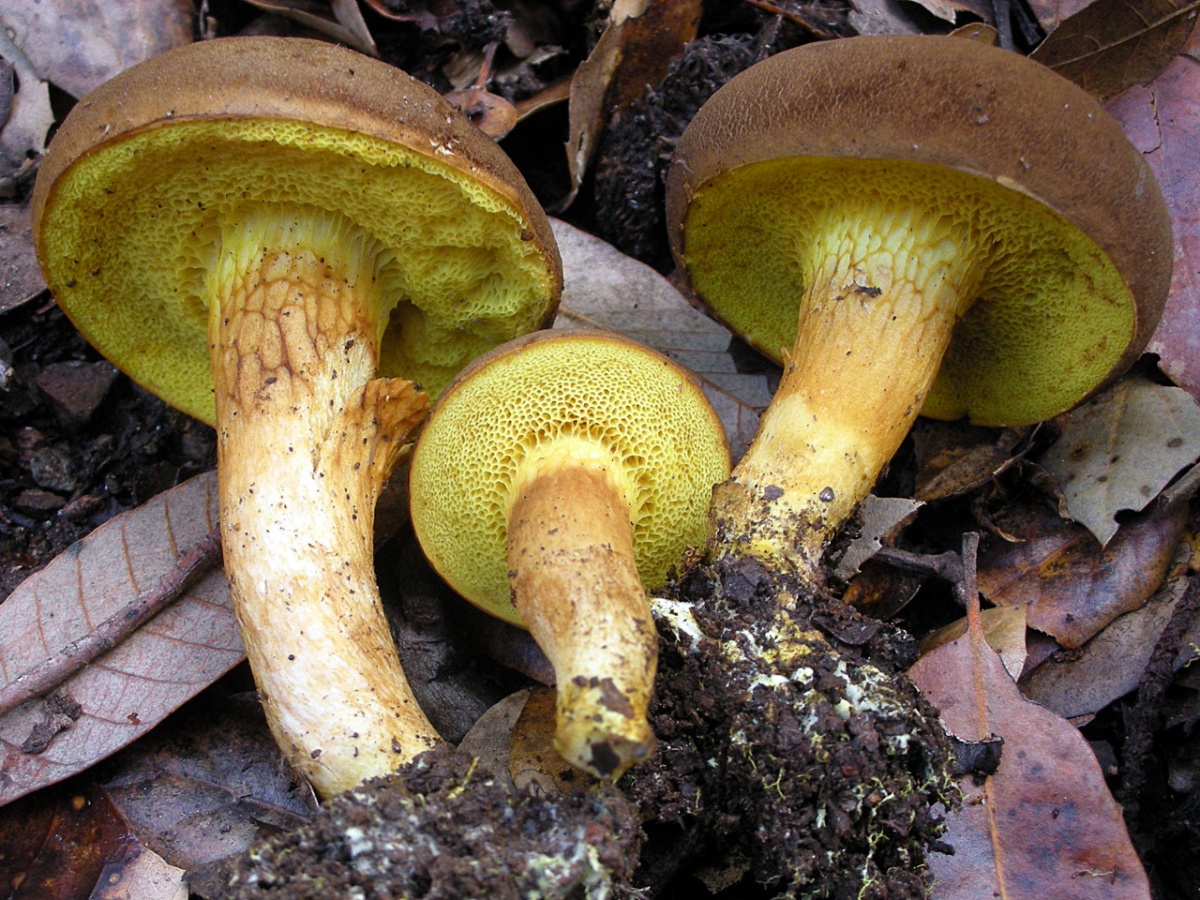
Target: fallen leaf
205,785
341,22
1163,120
954,10
20,276
604,288
956,458
634,51
1003,629
1110,665
72,844
1044,825
878,517
1121,448
1051,13
130,689
24,129
78,46
1071,586
1111,45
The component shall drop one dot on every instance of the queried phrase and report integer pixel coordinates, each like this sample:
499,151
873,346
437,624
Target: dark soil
444,829
792,754
79,442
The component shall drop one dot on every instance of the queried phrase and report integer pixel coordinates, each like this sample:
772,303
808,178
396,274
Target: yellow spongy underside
1050,318
133,226
652,421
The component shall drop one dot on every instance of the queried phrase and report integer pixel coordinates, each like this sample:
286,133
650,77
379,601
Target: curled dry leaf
75,844
634,51
1072,587
124,693
1044,825
1120,449
77,46
1111,664
1003,629
1111,45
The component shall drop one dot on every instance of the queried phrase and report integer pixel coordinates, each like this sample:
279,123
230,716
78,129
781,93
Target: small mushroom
909,225
281,220
556,480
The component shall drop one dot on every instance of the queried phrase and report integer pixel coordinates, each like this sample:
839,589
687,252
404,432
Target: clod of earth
442,828
282,220
557,479
897,222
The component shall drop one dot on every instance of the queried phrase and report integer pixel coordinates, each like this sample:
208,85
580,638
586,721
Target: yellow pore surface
601,400
1047,315
134,227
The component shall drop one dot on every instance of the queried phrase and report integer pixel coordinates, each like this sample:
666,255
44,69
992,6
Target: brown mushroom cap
126,206
646,416
1079,252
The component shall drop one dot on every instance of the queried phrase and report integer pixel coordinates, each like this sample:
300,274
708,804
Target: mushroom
281,220
909,225
558,478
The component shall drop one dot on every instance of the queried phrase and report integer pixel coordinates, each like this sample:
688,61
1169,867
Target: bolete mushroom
909,225
557,479
281,219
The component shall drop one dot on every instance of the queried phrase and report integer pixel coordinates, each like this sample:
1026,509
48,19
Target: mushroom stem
306,439
576,586
884,290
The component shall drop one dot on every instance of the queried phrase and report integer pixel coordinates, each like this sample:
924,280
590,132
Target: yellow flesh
606,402
461,278
1050,314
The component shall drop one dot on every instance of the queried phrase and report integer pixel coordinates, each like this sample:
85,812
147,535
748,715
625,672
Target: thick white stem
306,440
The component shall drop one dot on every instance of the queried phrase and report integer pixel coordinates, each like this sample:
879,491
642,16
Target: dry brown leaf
1112,45
204,786
956,458
1108,666
633,52
1163,121
1071,586
954,10
1003,629
604,288
1121,448
1044,826
20,277
340,20
69,844
1051,13
78,46
127,691
28,115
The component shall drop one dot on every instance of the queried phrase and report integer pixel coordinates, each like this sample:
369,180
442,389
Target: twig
946,566
52,672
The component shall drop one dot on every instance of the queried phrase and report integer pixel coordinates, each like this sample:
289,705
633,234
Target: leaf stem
187,571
